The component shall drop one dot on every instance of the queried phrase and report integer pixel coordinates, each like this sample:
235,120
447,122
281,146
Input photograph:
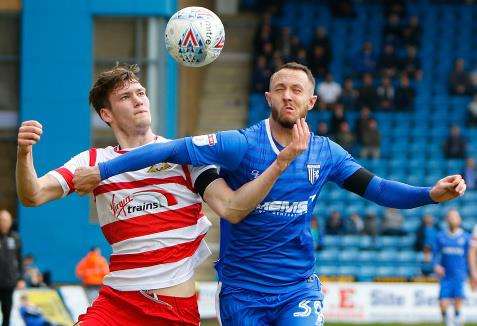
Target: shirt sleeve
344,165
64,174
225,149
436,252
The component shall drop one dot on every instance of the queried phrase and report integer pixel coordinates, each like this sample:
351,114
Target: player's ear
106,115
312,101
267,97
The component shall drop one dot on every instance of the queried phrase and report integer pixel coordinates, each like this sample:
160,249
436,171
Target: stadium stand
411,141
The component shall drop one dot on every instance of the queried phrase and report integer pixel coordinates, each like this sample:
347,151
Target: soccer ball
194,36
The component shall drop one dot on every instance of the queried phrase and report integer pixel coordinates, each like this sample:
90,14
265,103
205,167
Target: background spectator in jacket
10,264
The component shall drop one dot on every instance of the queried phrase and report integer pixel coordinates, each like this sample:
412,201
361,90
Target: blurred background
397,82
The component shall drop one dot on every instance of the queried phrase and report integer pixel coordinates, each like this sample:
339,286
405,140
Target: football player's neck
280,133
453,228
134,139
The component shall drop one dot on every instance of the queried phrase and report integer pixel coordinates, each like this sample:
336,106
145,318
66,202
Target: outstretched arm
225,149
400,195
234,206
32,190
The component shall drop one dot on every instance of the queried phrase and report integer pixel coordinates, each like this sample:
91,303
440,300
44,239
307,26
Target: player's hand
29,134
86,179
440,271
473,284
299,143
448,188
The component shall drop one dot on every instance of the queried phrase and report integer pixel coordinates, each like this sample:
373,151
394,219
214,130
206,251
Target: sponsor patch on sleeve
204,140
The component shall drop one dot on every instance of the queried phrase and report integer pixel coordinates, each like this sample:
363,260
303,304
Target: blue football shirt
271,250
451,251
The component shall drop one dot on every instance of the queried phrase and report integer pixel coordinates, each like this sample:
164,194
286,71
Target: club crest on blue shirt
313,172
205,140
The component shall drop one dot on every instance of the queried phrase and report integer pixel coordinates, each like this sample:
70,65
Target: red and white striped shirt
152,218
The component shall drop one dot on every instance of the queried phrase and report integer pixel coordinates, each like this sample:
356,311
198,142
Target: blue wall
56,74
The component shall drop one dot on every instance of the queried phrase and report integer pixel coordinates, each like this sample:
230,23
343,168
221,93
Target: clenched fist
29,134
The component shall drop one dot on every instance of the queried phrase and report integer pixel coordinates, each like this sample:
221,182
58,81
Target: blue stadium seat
366,273
349,270
327,256
331,241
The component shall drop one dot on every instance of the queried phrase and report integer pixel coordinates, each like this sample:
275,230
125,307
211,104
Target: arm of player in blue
397,194
436,253
352,176
225,149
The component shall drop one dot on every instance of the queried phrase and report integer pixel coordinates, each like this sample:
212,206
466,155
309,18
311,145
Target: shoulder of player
318,138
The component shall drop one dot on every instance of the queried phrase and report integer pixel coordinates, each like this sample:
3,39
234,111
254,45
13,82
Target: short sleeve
343,164
64,174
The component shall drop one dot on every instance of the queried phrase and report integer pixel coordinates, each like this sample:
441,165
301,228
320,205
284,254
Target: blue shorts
301,307
451,289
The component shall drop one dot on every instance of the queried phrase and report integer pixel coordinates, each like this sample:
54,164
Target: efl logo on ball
194,36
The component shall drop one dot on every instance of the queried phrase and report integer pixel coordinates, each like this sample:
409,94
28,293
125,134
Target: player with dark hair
152,217
267,261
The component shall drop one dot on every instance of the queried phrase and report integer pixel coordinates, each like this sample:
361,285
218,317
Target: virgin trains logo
141,201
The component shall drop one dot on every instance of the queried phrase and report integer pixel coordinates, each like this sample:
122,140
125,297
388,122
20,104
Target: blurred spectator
92,268
371,141
342,8
31,273
470,174
295,46
362,123
261,75
455,145
91,271
267,51
334,224
473,81
397,7
283,43
411,34
277,62
386,94
10,264
337,118
31,315
354,224
371,225
392,223
345,137
472,116
263,36
328,92
392,30
322,129
388,61
367,93
319,62
349,95
365,60
321,39
426,233
317,233
427,263
411,65
459,80
301,57
404,95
